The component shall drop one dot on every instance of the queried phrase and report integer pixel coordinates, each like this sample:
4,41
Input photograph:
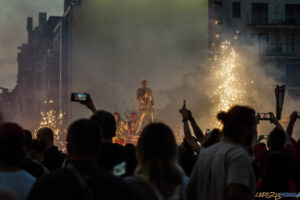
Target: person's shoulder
113,146
60,174
137,184
27,176
229,149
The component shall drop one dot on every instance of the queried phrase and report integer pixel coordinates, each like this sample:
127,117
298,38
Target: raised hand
90,104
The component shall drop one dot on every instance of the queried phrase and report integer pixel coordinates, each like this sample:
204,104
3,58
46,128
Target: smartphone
264,116
79,97
119,169
266,136
207,131
184,103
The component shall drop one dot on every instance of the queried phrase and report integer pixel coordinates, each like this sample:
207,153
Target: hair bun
222,116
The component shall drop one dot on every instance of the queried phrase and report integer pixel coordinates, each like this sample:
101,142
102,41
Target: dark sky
13,14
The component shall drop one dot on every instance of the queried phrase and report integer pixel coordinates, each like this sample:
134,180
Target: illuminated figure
132,125
146,104
121,128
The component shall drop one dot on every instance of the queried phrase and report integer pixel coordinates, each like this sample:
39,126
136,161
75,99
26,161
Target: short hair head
45,133
235,121
84,137
107,122
144,83
12,139
276,139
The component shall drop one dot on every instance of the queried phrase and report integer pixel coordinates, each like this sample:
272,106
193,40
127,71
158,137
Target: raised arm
290,127
278,125
187,132
197,131
275,121
90,104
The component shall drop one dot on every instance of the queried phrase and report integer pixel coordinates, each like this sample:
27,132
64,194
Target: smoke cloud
116,44
13,14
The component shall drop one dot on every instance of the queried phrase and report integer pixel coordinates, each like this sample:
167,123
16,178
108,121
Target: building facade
38,80
272,27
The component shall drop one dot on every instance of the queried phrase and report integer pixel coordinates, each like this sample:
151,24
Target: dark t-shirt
53,158
33,167
112,154
64,185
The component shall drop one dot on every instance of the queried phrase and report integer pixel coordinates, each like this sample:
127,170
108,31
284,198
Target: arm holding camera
89,104
278,125
186,129
197,131
275,121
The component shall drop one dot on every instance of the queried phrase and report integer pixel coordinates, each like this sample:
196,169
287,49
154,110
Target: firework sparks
230,89
53,120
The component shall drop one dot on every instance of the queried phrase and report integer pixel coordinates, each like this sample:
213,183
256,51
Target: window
292,74
236,10
292,14
293,43
259,13
261,40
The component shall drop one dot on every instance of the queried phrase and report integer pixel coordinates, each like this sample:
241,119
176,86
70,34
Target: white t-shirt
19,183
220,165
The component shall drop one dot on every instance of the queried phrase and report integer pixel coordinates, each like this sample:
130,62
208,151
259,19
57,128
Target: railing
280,50
273,19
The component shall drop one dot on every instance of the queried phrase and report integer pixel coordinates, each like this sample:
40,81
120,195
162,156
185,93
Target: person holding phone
204,140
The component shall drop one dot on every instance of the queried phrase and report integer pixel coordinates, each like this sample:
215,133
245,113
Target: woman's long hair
157,155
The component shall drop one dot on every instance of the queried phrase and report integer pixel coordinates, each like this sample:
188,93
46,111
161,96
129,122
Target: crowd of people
228,164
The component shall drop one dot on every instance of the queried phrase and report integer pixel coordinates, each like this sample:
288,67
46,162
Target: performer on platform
132,124
146,104
121,128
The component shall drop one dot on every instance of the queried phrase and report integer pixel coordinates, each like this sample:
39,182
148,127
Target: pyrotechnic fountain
54,120
230,87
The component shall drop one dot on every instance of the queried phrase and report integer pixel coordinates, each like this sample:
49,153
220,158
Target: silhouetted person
81,178
12,155
205,140
53,158
224,170
158,174
187,157
113,154
30,165
280,174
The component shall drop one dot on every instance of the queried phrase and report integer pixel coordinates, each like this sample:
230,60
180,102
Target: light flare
230,87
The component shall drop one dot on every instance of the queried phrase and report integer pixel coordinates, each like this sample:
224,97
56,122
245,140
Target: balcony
285,51
273,21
